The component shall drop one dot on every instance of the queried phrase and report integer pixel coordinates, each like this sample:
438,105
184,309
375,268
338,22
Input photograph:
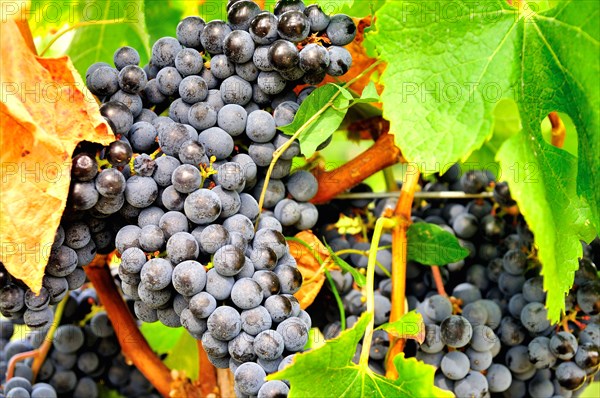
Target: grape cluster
491,337
84,353
72,249
177,194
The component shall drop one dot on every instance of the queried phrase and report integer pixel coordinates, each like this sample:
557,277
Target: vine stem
277,154
12,363
559,131
207,373
439,282
382,154
399,258
39,354
338,300
381,224
47,344
133,344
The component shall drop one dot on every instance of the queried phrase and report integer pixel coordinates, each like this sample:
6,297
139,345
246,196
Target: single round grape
588,298
172,138
563,345
241,13
314,58
279,307
228,260
119,116
587,356
188,62
132,79
294,26
263,28
189,31
456,331
235,90
156,274
202,206
517,359
217,285
271,83
283,55
224,323
570,376
294,332
164,52
534,317
273,389
249,378
498,377
202,305
238,46
340,61
68,339
246,294
217,142
455,365
317,18
104,81
483,338
473,385
125,56
213,36
168,80
241,348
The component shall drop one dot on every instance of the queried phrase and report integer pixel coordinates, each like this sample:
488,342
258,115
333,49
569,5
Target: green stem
338,299
366,254
366,347
45,347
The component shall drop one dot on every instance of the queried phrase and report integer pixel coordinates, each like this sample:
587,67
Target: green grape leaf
360,8
162,21
353,8
184,355
331,368
410,326
210,10
506,124
545,175
369,94
450,62
115,23
432,245
320,114
161,338
359,278
315,339
444,78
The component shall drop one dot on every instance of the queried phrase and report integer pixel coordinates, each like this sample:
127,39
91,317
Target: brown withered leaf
44,113
309,266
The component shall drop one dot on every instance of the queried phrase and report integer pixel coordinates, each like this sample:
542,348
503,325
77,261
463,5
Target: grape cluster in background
491,336
177,194
84,354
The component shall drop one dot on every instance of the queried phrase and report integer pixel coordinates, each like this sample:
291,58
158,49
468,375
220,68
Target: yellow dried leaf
45,111
309,266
